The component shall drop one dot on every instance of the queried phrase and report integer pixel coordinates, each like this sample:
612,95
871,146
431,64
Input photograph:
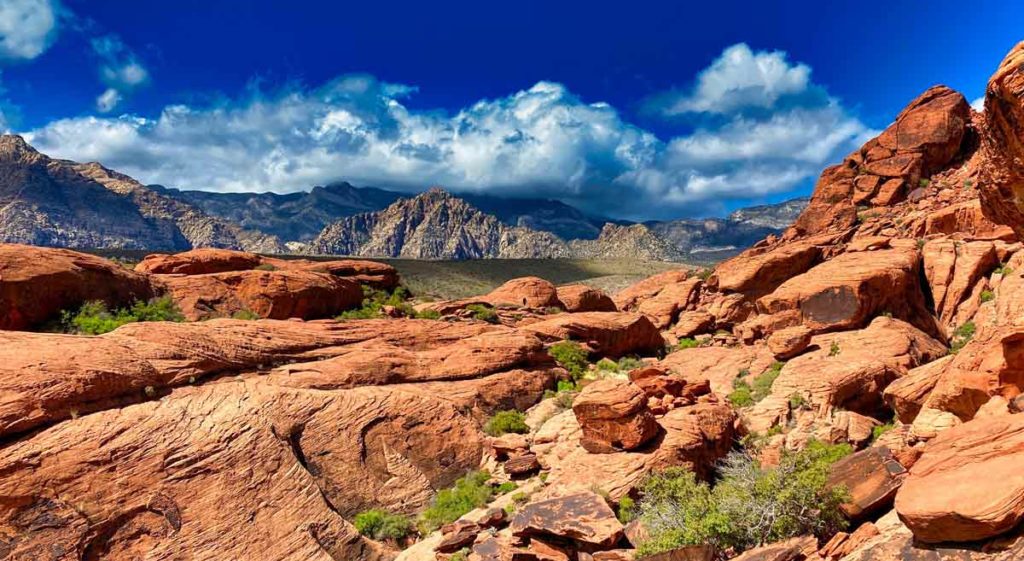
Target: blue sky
637,110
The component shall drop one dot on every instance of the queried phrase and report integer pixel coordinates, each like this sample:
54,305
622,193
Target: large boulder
763,268
632,296
583,298
279,294
527,292
968,484
953,268
1002,190
663,309
614,416
584,518
871,477
849,290
37,284
198,262
605,333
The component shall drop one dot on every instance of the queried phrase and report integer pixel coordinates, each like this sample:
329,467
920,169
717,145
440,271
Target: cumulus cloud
978,104
541,141
120,70
27,27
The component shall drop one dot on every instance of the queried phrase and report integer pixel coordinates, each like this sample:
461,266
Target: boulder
788,342
632,296
760,270
526,292
584,518
967,486
522,464
200,261
687,553
605,333
37,284
1002,190
278,294
794,549
614,416
583,298
719,365
907,395
664,307
952,269
693,323
659,382
849,290
371,273
871,477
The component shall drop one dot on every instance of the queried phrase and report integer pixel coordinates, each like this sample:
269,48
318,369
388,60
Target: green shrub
627,510
987,296
1003,270
762,386
961,336
505,422
571,356
741,394
382,525
265,267
750,506
506,487
607,365
687,343
483,313
468,493
374,301
94,318
520,498
428,314
463,554
628,363
705,273
246,315
797,401
833,349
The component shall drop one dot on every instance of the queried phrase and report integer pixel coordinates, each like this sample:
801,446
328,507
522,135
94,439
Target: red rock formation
37,283
606,333
582,298
527,292
614,416
198,262
1002,190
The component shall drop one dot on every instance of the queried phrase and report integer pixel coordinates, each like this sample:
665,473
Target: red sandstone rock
584,518
198,262
582,298
36,284
1002,189
527,292
789,342
614,416
269,294
871,477
629,298
606,333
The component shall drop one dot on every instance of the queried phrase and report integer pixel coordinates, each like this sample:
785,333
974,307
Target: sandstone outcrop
607,333
37,284
614,416
582,298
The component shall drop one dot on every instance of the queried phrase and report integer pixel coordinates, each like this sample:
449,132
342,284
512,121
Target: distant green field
461,279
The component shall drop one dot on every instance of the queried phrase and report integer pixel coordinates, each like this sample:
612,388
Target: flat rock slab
582,517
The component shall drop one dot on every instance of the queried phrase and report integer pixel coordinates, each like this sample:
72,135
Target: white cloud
740,78
979,104
108,100
120,69
542,141
27,27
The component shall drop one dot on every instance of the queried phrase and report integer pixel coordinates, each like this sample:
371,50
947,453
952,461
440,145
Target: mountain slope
51,202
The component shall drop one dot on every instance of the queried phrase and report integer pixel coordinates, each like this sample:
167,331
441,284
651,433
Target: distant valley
45,201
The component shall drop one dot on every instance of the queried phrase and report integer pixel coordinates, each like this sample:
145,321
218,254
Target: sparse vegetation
571,356
833,349
705,273
797,401
923,182
468,493
505,422
879,430
463,554
94,318
627,510
687,343
961,336
265,267
380,524
506,487
374,301
428,314
628,363
483,313
987,296
246,315
748,507
745,393
1002,269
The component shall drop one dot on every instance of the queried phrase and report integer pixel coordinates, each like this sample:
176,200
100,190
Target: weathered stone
581,517
614,416
583,298
871,477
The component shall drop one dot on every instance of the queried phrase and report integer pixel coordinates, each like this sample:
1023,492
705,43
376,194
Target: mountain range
47,201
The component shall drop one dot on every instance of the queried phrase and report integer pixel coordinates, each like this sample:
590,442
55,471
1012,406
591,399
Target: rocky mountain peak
14,149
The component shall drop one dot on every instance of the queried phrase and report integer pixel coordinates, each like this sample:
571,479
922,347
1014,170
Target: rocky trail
297,401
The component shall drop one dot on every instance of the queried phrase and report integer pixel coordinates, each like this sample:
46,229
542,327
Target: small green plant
463,554
923,182
705,273
483,313
1003,270
687,343
374,301
627,510
961,336
506,487
987,296
468,493
797,401
543,477
428,314
607,365
879,430
504,422
571,356
510,509
968,184
265,267
920,244
380,524
629,363
833,349
246,315
94,318
741,393
552,310
762,385
520,498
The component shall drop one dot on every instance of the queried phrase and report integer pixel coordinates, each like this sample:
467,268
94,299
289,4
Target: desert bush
374,301
94,318
879,430
506,487
265,267
687,343
961,336
380,524
987,296
468,493
505,422
749,506
428,314
626,510
571,356
483,313
245,314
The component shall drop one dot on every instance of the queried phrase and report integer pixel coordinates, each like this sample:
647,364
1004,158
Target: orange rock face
1002,191
198,262
278,294
614,416
608,333
582,298
36,284
527,292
